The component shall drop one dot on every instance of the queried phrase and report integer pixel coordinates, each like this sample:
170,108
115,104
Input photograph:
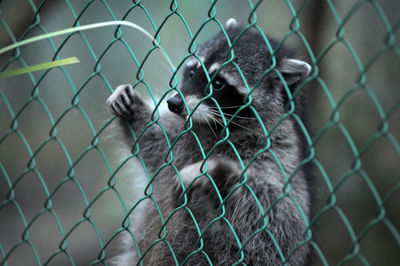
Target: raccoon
225,182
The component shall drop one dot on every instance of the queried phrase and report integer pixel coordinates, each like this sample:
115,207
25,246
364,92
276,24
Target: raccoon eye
191,72
218,84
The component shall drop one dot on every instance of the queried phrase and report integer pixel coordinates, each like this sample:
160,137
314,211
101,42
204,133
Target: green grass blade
88,27
52,64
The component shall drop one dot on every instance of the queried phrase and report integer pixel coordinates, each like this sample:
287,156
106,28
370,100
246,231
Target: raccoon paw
225,174
188,174
121,102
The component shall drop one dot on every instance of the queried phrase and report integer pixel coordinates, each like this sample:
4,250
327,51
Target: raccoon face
217,85
202,97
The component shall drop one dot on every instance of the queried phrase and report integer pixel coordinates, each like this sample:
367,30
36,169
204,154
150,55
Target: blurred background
62,194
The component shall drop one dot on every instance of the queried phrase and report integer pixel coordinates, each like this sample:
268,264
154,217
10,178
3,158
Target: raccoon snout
175,104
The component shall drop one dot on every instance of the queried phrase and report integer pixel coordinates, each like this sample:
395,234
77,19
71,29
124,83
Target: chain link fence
67,186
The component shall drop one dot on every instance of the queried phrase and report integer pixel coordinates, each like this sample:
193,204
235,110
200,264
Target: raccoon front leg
134,114
243,211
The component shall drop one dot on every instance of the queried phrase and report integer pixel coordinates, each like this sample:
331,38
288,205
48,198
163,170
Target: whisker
209,125
231,107
230,116
239,125
219,122
217,114
222,125
226,114
232,122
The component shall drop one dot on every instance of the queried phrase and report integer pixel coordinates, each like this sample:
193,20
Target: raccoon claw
121,101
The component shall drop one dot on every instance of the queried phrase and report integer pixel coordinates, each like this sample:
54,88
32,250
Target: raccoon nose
175,104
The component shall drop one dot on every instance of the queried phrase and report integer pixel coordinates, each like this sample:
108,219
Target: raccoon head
218,81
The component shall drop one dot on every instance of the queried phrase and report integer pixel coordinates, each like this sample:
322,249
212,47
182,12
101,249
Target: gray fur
284,224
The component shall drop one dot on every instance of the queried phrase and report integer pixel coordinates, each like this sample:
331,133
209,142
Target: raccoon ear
294,70
231,23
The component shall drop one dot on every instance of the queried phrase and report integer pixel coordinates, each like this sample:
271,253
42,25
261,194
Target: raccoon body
223,160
